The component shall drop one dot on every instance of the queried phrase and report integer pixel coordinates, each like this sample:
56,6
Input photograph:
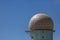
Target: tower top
41,22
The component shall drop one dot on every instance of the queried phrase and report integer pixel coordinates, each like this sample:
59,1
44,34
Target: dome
41,22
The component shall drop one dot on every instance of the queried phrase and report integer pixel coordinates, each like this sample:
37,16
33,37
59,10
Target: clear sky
15,16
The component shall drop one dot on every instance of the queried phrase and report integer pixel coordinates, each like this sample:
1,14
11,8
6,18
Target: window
32,37
42,36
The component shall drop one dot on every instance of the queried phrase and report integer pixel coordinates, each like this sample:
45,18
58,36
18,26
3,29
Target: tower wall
41,35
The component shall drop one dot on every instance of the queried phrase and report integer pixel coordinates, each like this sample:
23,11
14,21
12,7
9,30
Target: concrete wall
41,35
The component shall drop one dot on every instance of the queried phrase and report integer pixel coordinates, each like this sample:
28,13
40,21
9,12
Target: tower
41,27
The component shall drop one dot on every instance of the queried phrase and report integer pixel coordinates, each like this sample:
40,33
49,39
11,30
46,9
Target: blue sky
15,16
